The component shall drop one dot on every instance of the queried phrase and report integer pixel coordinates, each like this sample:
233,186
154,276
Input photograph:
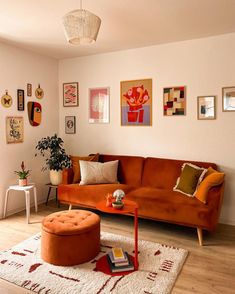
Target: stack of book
119,261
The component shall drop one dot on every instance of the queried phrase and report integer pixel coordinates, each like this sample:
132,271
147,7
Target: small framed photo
228,96
70,94
70,125
29,90
99,105
206,107
14,129
20,100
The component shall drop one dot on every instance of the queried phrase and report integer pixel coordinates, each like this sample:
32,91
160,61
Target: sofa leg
200,236
70,206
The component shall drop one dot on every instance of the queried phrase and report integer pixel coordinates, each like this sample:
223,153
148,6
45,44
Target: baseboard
225,221
22,208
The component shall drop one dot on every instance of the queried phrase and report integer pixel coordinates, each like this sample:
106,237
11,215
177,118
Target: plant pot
55,177
23,182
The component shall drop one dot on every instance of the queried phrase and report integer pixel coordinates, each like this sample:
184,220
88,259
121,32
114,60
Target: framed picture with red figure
70,94
136,102
99,105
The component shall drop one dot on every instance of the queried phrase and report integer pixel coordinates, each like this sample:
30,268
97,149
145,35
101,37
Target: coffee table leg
136,239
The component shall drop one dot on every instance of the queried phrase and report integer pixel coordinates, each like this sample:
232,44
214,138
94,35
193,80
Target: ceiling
37,26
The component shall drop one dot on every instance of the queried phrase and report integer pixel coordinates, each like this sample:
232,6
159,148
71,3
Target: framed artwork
14,129
228,98
6,100
99,105
29,90
206,107
136,102
70,125
20,100
70,94
174,101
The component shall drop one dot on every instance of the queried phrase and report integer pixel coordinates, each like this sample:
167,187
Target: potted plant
56,158
23,175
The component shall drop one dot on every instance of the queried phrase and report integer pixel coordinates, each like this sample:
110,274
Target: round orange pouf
70,237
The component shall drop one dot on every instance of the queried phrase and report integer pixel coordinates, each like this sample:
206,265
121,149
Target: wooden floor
208,269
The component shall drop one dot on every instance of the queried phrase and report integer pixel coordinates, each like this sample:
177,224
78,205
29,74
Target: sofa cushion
76,167
162,173
171,206
211,179
129,168
98,172
191,176
88,195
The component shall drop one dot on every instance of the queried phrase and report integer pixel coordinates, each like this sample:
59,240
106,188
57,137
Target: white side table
26,190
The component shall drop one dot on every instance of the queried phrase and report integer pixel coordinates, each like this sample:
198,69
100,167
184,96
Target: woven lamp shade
81,27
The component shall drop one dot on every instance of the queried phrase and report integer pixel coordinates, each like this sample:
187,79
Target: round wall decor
6,100
39,93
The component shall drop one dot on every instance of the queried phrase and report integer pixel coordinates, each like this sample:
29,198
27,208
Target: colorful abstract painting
99,105
70,94
174,101
136,103
34,113
14,129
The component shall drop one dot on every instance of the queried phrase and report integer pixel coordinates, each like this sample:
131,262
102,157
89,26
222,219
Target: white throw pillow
98,173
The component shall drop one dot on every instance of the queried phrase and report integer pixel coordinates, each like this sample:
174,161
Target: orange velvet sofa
150,181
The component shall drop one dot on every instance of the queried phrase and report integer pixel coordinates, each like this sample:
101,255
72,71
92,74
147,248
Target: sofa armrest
67,176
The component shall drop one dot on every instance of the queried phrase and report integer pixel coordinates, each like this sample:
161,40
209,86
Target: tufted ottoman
70,237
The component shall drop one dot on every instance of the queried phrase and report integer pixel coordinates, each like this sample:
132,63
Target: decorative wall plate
6,100
39,93
34,113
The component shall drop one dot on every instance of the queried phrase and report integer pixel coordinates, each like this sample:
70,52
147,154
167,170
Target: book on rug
118,254
120,262
116,269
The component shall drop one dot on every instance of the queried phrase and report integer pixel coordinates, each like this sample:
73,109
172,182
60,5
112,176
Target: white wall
19,67
203,65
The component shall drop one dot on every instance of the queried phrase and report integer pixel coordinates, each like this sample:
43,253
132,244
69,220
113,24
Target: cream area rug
159,266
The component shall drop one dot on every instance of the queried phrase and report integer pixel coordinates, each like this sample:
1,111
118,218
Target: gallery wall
204,66
19,67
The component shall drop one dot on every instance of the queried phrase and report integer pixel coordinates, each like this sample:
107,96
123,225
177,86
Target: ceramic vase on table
55,177
23,182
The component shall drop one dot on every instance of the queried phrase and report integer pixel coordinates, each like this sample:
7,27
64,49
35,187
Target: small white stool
26,190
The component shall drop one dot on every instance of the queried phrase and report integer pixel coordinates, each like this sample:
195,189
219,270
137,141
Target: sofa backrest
129,168
162,173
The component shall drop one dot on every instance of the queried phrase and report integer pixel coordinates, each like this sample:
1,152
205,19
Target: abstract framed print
136,102
20,100
99,105
14,129
70,125
228,98
70,94
174,101
206,107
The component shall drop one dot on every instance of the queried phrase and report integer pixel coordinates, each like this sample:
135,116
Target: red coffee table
130,207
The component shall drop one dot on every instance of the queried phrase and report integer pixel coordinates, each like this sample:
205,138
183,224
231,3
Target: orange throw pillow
211,179
76,166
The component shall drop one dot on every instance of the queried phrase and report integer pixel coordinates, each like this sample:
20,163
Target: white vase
55,177
23,182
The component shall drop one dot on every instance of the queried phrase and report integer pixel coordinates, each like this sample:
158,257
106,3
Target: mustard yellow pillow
76,166
212,178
